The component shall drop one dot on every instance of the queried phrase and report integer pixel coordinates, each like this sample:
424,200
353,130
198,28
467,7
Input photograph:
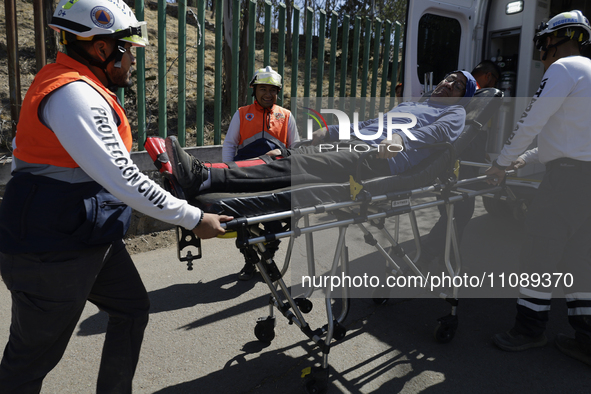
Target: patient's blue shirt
435,123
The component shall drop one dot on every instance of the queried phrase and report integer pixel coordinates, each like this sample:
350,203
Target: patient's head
454,87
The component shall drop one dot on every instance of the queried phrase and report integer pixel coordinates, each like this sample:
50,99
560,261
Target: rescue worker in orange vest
68,204
260,129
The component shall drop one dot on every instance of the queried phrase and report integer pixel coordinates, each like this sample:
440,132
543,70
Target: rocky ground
147,242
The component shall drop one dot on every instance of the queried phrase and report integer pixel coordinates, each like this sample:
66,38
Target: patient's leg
297,169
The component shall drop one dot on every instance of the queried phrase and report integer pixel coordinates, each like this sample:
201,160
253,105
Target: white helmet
266,76
87,18
572,25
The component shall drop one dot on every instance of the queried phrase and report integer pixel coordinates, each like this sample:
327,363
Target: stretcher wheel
339,331
444,333
304,304
446,329
315,380
380,296
315,387
265,329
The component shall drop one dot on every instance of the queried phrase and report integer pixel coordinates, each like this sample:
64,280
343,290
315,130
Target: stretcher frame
249,237
366,211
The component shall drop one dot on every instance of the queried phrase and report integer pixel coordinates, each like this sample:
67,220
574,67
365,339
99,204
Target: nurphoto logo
345,125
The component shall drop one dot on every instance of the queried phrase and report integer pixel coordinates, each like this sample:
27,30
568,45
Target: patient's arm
390,148
273,153
319,136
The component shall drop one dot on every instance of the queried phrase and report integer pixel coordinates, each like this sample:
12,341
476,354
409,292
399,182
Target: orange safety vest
35,143
256,121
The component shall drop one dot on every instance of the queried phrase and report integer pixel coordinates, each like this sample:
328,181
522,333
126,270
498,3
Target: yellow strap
457,169
354,187
228,234
306,371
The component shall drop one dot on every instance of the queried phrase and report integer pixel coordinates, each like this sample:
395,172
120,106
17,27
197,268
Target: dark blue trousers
49,292
558,240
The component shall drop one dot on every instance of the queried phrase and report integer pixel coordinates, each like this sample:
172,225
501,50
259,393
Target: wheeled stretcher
362,204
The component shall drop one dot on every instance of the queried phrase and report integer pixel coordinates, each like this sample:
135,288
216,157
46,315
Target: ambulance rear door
440,36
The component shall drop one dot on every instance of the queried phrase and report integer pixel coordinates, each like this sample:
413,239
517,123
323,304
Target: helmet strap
555,46
116,55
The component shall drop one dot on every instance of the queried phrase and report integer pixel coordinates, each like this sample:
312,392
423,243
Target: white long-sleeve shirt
559,115
70,113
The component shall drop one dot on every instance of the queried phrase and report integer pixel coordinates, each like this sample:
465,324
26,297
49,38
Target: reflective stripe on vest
255,125
35,143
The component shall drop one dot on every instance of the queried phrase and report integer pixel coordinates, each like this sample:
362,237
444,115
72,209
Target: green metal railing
182,63
349,71
162,117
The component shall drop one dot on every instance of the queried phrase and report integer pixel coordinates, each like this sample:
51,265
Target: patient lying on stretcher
440,118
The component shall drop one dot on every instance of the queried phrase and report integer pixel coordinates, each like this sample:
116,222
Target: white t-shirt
559,115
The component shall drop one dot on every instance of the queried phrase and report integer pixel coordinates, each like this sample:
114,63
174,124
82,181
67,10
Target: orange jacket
255,122
35,143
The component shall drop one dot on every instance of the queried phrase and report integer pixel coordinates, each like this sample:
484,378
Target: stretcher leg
316,378
309,237
447,325
451,243
289,308
417,237
397,249
340,330
380,295
446,328
287,259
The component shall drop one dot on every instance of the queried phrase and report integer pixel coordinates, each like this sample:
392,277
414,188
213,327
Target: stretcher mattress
478,112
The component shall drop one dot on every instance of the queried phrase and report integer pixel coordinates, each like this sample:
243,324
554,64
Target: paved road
200,337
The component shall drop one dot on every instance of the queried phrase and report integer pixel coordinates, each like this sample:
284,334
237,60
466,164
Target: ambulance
445,35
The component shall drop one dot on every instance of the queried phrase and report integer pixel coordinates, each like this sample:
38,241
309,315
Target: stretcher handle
507,174
234,224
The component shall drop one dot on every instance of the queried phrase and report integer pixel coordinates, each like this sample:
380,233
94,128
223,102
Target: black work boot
513,341
247,272
574,348
188,170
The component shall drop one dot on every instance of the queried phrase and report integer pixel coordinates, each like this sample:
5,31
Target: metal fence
385,47
383,55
